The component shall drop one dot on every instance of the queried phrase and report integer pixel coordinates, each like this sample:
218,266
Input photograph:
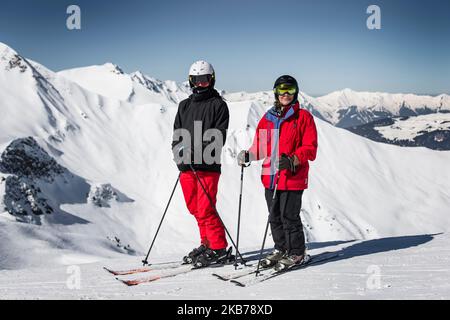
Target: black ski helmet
286,79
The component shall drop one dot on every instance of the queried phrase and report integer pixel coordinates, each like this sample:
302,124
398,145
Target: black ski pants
285,222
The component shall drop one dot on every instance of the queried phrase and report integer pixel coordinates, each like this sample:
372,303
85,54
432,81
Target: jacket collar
204,95
288,112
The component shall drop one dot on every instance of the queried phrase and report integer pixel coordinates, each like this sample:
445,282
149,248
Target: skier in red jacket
286,138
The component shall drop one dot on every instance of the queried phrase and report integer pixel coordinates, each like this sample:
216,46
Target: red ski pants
212,232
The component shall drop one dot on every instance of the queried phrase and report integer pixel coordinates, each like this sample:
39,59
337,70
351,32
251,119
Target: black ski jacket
209,108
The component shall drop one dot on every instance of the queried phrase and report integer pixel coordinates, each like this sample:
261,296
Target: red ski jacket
292,133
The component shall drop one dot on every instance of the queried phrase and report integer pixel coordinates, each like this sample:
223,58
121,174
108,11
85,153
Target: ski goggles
282,89
201,81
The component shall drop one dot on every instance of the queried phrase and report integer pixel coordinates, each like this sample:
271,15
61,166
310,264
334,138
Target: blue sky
325,44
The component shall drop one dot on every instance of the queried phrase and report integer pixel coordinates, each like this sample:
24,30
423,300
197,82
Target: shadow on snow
362,248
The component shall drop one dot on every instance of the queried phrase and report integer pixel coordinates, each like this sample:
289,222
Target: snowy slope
431,131
409,267
359,189
407,129
109,80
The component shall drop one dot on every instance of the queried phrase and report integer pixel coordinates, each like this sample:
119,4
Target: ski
250,269
271,272
234,275
171,265
134,282
130,271
170,273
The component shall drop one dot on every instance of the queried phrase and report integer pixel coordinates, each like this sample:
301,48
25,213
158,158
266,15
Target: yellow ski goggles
282,89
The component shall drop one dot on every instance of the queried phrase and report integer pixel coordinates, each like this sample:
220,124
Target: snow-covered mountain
348,108
351,108
363,112
110,81
431,131
92,132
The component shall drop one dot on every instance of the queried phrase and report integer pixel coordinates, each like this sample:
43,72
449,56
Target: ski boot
272,258
210,256
290,261
192,256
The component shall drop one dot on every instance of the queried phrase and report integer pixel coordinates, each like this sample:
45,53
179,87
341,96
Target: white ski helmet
200,68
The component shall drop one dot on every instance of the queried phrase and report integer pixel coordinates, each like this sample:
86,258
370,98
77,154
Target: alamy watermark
73,21
374,279
206,148
73,282
374,20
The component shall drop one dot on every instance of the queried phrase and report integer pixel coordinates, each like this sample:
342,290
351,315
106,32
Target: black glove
243,157
286,162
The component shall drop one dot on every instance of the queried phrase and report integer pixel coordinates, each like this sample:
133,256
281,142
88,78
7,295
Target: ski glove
243,157
285,162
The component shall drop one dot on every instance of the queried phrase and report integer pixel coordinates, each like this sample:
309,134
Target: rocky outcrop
27,166
24,158
102,195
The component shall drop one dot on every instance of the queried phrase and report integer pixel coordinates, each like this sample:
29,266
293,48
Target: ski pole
239,212
267,225
145,261
215,210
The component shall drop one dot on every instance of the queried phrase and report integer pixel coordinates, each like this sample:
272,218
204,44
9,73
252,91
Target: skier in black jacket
199,134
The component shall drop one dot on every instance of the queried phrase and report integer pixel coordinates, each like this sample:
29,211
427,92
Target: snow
380,101
334,106
393,102
110,81
359,189
409,129
408,267
107,80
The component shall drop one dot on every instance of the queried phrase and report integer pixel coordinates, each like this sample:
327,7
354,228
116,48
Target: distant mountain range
351,108
431,131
